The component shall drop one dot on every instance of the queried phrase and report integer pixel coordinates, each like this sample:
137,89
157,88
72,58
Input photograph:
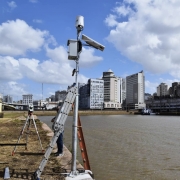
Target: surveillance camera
93,43
79,22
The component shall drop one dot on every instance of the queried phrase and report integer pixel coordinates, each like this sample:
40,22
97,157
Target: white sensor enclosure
72,52
93,43
79,22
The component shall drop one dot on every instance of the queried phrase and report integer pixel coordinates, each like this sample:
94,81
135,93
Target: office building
60,95
91,95
27,99
174,91
8,99
135,90
162,89
113,96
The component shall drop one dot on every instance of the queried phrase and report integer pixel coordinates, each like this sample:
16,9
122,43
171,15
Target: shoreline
81,113
16,114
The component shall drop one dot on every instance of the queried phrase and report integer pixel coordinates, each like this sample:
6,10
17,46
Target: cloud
147,32
55,70
17,37
88,59
37,21
12,88
111,20
151,87
9,68
16,65
12,4
16,88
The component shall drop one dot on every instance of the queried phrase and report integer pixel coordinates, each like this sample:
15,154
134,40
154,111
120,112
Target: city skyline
167,89
137,35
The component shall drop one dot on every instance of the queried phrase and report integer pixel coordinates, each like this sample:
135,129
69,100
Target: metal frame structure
28,123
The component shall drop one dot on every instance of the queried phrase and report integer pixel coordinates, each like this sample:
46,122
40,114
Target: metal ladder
58,127
28,122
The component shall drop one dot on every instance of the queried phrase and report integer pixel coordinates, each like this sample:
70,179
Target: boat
145,112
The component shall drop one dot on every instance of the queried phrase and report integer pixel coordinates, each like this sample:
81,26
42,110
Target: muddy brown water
129,147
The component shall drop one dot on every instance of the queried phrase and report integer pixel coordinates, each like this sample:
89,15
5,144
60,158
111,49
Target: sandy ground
24,163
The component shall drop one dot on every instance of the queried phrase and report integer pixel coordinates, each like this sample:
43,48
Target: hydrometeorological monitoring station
75,48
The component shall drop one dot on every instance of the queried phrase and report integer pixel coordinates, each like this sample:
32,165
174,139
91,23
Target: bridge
18,106
6,106
14,106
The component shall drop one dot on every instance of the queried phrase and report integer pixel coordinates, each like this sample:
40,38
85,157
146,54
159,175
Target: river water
129,147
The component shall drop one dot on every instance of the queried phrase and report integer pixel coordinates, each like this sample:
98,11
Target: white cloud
17,37
16,88
123,10
151,87
9,68
111,20
37,21
148,32
56,70
12,4
88,59
48,71
12,88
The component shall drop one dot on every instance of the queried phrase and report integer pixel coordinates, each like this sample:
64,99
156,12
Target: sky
137,35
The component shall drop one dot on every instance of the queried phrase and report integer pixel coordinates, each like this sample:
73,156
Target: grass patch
24,162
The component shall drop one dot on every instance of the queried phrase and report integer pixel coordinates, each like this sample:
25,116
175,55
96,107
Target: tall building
112,90
162,89
7,99
91,94
27,99
123,87
60,95
135,90
84,94
174,91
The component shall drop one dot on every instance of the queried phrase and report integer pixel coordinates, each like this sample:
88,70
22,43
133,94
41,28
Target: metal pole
74,140
75,120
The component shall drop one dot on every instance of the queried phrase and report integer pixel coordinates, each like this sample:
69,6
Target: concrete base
82,176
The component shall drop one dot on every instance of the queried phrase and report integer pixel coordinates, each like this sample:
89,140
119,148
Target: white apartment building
135,90
112,90
162,89
27,99
91,94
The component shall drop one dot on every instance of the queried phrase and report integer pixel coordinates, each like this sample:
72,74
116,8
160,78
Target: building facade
135,90
162,89
8,99
174,91
60,95
27,99
91,95
84,94
113,96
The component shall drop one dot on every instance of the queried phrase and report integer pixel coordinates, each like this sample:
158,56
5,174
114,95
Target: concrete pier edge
66,159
